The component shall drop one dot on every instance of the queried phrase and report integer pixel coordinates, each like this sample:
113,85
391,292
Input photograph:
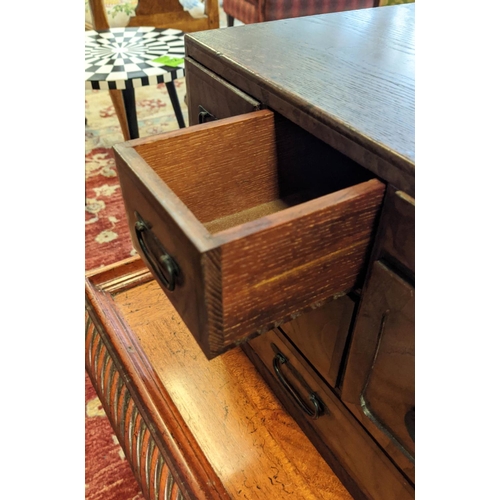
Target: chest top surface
352,71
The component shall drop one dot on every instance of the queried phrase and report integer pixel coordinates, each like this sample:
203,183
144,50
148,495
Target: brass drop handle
280,360
164,266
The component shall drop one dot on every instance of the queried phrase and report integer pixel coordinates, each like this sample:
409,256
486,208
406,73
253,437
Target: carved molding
141,450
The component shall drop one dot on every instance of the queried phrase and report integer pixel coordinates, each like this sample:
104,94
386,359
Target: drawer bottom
353,455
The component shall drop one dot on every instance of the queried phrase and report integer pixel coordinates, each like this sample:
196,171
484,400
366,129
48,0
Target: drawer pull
410,423
205,116
164,266
281,359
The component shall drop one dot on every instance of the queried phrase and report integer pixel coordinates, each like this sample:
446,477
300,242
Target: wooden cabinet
355,353
286,225
236,242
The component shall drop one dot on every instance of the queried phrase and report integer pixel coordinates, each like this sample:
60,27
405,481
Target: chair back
99,17
161,14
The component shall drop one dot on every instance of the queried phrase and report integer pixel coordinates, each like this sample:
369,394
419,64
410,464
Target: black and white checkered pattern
121,58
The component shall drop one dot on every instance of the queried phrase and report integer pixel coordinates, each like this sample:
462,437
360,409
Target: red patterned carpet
108,475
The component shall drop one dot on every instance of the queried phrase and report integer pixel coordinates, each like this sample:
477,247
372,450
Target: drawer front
398,230
320,336
379,381
209,97
350,451
212,219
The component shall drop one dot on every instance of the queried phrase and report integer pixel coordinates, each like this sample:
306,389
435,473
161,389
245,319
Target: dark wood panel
397,231
349,79
320,335
379,382
216,96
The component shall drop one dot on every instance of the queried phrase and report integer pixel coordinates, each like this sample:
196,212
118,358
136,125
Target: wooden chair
160,14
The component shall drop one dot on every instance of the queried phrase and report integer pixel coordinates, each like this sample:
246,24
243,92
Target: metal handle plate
164,266
205,116
318,408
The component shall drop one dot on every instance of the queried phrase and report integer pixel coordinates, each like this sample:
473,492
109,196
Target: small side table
192,429
122,58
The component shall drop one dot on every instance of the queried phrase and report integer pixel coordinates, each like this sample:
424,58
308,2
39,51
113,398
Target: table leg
129,102
175,103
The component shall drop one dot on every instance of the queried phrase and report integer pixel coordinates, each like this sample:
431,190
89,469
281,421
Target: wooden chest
241,234
282,220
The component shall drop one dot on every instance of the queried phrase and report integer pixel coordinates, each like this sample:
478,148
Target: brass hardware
319,407
164,266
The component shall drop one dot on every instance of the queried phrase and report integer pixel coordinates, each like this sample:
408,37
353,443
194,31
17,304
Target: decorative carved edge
120,276
133,396
150,469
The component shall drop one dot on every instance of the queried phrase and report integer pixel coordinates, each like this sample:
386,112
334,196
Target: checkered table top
121,58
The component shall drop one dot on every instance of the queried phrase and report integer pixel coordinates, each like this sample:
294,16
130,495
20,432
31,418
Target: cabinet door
398,231
379,381
320,336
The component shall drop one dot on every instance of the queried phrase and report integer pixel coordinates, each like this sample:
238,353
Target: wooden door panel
379,382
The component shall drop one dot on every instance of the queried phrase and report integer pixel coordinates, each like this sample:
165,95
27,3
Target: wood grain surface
379,382
349,79
221,407
297,258
321,336
336,431
247,278
218,168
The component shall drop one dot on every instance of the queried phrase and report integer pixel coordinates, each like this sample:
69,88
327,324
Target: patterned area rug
108,475
106,232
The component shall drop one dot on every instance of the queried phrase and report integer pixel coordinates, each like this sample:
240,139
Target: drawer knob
318,406
164,266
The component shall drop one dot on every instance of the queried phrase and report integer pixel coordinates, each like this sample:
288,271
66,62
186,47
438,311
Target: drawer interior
261,220
251,167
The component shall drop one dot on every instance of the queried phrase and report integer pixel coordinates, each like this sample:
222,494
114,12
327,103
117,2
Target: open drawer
246,221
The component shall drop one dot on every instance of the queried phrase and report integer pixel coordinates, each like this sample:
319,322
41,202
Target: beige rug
154,114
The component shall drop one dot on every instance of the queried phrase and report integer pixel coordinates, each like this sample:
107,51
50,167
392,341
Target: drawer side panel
272,274
188,295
